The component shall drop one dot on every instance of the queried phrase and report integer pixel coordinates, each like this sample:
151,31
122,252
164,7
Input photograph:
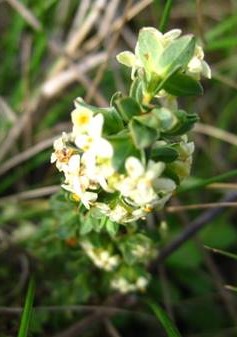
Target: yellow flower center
75,197
81,117
147,208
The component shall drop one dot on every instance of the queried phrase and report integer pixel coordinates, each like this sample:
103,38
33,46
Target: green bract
122,162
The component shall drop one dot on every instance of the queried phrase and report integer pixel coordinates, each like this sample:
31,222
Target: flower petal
127,58
134,167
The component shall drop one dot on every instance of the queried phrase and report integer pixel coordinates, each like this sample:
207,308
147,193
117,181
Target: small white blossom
81,119
138,184
197,66
92,139
62,153
142,283
124,286
100,257
117,214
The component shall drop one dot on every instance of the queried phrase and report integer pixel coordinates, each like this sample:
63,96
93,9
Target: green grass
27,310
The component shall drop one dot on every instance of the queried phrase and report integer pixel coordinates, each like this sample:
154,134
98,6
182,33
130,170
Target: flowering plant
122,162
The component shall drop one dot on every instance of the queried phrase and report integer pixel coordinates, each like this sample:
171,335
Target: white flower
117,214
165,185
87,198
77,183
182,165
138,185
124,286
62,153
197,66
81,119
107,261
142,283
139,251
134,167
73,166
93,141
97,170
100,257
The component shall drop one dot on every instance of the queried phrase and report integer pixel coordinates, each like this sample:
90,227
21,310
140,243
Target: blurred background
54,51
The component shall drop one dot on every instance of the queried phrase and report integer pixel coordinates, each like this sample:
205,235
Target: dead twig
26,14
79,35
7,110
112,331
18,127
53,86
79,16
36,193
215,132
25,155
181,208
111,47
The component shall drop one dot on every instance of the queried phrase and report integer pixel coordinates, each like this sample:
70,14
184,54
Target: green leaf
166,119
149,48
128,107
185,123
86,225
142,135
112,121
27,311
177,54
123,148
148,120
164,319
153,83
182,85
166,154
160,84
169,173
136,90
116,95
112,227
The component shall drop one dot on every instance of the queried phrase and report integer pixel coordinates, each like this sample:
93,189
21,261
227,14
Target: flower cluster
100,257
77,155
85,157
124,286
122,162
